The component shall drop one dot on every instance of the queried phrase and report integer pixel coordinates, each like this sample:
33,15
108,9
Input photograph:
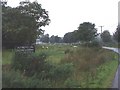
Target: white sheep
43,47
74,46
46,47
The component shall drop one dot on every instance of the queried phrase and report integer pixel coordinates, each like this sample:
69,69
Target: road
113,49
116,81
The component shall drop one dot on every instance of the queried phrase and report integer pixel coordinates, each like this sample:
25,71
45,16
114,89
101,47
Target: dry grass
86,62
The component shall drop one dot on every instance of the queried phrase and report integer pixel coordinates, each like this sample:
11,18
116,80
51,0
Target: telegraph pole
101,28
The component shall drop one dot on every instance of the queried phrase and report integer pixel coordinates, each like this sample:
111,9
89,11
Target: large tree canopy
22,25
69,37
35,10
86,32
18,29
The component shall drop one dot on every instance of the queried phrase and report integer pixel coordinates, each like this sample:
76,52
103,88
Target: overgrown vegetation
80,67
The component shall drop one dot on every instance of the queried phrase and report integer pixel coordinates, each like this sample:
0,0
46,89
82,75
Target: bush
34,82
21,60
62,71
94,43
12,79
29,63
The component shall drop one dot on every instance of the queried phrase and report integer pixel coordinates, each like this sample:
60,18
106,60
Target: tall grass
79,68
88,63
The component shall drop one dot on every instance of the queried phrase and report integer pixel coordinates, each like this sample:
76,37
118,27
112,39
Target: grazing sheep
46,47
43,47
74,46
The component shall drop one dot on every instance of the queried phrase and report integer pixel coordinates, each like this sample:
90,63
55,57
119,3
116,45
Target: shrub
21,60
39,71
62,71
34,82
12,79
45,74
56,72
29,63
93,43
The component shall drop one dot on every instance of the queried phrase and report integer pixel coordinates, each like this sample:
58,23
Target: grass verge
105,75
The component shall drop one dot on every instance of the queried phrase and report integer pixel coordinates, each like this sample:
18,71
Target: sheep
74,46
46,47
43,47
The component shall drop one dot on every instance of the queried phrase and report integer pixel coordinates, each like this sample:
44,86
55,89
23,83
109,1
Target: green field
90,67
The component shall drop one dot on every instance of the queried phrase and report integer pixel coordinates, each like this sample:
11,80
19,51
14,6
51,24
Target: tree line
22,26
86,33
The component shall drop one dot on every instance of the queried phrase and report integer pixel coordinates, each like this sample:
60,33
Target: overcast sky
66,15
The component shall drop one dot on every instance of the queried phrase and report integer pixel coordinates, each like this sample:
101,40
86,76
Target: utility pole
101,28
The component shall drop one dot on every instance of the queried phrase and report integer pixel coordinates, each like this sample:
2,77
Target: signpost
25,49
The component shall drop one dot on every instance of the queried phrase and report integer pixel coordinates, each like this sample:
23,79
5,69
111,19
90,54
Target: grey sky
66,15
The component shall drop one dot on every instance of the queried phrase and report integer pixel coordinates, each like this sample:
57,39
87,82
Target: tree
22,25
35,10
18,29
55,39
52,39
86,32
117,34
106,37
45,38
69,37
60,40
